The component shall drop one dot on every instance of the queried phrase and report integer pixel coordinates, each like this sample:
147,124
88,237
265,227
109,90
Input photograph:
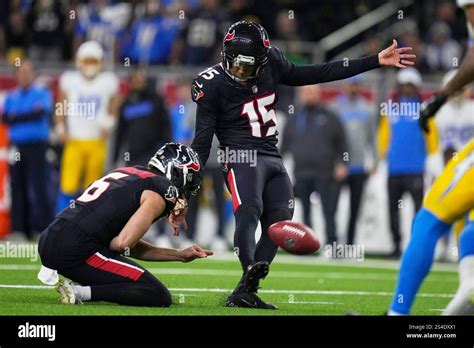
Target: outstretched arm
300,75
148,252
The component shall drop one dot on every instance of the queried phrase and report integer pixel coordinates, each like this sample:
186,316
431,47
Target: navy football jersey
107,204
243,116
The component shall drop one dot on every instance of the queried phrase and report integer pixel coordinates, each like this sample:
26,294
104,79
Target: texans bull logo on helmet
229,36
185,155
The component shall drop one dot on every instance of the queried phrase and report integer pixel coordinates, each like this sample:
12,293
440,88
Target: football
294,237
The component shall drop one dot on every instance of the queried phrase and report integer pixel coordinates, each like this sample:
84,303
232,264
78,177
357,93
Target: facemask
90,71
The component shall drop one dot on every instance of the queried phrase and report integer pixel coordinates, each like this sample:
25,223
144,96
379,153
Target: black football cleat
248,300
255,272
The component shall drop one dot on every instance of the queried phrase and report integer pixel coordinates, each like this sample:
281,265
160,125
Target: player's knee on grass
152,292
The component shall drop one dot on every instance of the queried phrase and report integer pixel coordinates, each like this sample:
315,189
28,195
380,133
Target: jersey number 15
260,116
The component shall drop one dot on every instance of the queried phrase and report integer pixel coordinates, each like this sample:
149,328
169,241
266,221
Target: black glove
429,108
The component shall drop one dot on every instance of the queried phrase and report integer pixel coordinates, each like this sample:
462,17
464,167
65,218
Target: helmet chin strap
235,78
241,79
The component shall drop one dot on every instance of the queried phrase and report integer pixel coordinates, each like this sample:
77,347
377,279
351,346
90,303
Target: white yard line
14,267
15,286
313,260
263,291
273,274
322,260
314,292
313,302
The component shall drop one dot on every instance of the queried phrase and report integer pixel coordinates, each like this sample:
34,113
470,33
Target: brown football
294,237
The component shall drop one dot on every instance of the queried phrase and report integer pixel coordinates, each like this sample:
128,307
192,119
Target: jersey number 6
98,187
265,114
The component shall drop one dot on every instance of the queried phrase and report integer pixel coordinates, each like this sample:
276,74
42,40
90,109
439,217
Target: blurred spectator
151,37
241,10
201,38
286,27
4,11
93,24
446,12
405,147
45,21
372,45
27,112
315,137
442,53
356,114
409,37
143,125
287,30
16,39
86,114
183,114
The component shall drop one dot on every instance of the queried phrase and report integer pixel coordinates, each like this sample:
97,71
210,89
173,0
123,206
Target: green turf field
299,286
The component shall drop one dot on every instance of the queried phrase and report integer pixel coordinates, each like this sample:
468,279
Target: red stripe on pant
114,266
233,190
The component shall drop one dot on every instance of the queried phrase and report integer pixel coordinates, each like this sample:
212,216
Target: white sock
83,293
391,312
462,304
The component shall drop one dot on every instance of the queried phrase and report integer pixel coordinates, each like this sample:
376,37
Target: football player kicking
451,197
236,100
85,242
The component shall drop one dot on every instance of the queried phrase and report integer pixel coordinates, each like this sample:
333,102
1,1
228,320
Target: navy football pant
261,192
31,206
65,247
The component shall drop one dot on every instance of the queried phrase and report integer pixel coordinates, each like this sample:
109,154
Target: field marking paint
274,274
314,292
314,260
14,267
14,286
313,302
269,291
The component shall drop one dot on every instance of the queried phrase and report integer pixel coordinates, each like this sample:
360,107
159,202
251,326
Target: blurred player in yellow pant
450,198
82,162
87,105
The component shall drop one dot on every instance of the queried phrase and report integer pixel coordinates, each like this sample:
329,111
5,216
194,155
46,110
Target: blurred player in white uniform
85,117
455,120
455,127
